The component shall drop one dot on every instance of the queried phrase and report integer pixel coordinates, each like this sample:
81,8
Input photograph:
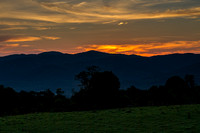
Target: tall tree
98,89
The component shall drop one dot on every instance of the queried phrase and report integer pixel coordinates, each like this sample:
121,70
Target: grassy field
171,119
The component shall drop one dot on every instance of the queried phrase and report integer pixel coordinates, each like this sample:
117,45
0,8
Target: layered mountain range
52,70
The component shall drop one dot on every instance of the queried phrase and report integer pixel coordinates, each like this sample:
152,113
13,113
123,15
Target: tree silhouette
8,100
61,103
98,89
85,76
103,88
178,90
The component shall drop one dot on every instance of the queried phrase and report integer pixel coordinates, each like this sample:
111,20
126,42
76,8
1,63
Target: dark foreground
165,119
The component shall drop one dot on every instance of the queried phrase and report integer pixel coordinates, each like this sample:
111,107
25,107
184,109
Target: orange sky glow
148,50
141,27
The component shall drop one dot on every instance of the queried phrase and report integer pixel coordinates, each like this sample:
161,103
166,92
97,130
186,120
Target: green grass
171,119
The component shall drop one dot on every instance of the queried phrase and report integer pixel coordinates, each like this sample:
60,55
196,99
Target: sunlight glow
148,50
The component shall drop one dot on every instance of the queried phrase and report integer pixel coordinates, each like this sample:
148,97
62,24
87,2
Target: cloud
14,28
9,51
23,39
24,22
50,37
118,10
122,23
148,49
12,45
41,28
7,47
11,39
96,11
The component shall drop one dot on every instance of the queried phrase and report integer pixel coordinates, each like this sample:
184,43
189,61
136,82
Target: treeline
99,90
12,102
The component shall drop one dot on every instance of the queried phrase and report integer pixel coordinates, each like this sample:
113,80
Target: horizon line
74,53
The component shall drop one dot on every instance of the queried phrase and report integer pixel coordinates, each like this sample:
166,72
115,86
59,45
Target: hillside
52,70
166,119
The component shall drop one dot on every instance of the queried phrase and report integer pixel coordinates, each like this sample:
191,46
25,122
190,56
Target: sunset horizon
93,50
128,53
140,27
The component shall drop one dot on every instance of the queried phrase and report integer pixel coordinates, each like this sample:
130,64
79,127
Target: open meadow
165,119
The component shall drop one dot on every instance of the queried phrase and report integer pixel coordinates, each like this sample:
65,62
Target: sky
141,27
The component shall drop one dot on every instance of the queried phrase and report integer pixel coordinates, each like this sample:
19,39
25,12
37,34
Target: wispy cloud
11,39
23,39
12,45
14,28
76,11
50,37
118,10
4,48
24,22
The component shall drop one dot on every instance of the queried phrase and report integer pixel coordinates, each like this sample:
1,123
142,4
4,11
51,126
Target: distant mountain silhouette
52,70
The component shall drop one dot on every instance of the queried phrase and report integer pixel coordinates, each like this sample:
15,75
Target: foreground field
171,119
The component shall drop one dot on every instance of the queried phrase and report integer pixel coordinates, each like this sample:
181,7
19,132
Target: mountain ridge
90,53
